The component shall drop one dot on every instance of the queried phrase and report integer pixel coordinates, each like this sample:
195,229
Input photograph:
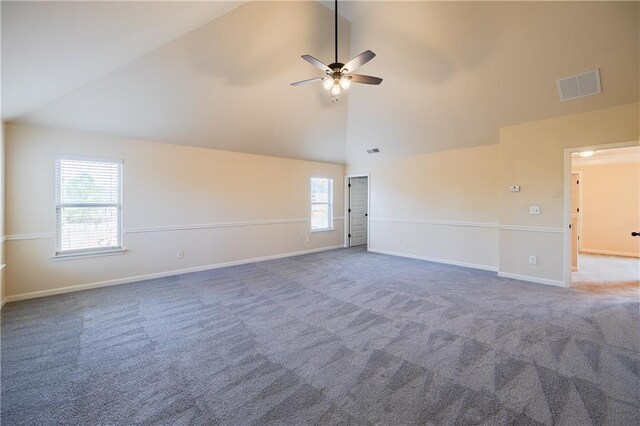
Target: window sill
100,253
316,231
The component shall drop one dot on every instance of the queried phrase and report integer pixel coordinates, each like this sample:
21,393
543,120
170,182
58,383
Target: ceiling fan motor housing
337,74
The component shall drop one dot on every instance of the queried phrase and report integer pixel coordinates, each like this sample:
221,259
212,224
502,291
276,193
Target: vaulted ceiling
50,48
224,84
217,74
457,72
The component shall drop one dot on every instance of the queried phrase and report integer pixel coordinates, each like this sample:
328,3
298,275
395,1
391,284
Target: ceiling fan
338,75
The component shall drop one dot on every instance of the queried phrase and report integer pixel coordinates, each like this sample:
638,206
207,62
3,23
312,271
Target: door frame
567,199
579,231
580,186
347,221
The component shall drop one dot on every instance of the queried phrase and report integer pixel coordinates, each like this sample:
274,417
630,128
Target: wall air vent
579,85
373,151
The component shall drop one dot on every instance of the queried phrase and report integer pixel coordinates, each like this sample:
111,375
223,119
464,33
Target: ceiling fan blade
316,63
365,79
358,61
311,80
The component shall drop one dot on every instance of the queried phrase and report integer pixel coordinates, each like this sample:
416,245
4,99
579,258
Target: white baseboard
128,280
609,252
3,300
531,279
436,260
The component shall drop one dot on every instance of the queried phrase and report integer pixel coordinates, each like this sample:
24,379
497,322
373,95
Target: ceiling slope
50,48
455,72
224,85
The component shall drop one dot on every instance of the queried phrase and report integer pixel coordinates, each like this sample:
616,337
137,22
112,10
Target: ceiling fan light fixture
335,90
337,77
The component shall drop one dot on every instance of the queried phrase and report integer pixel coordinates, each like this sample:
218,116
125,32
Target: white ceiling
50,48
216,74
455,72
629,154
224,85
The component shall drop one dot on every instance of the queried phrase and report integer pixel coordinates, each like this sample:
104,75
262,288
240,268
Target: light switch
534,209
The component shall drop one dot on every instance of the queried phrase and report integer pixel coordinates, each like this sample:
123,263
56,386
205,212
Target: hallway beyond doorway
601,273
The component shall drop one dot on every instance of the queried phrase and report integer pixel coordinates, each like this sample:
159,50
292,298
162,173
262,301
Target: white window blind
88,205
321,204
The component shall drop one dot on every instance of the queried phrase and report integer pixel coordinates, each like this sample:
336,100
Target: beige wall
438,206
450,206
532,156
455,206
610,208
164,186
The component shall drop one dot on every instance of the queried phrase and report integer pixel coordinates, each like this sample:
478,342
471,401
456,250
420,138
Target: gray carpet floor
339,337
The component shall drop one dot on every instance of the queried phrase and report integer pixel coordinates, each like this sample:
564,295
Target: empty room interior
320,213
604,204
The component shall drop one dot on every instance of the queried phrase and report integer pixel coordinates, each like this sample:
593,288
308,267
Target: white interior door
358,214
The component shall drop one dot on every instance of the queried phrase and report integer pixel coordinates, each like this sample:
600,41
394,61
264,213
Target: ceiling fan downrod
338,75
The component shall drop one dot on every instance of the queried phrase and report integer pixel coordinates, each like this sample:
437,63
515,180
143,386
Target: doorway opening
357,215
604,222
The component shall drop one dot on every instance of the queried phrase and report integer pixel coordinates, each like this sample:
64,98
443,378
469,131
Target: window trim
94,251
329,205
88,254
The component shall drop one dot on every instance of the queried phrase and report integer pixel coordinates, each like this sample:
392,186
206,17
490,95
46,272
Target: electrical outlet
180,254
533,260
514,188
534,209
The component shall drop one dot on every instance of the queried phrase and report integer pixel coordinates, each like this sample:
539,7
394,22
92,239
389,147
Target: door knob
635,234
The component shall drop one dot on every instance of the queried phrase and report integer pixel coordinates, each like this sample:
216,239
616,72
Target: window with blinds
88,206
321,204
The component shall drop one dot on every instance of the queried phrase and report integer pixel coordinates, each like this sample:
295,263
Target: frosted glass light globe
345,82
